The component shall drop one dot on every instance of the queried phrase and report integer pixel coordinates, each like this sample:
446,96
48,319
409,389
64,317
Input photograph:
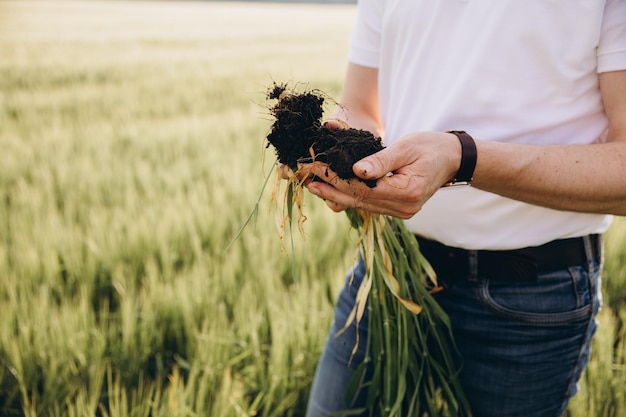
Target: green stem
415,369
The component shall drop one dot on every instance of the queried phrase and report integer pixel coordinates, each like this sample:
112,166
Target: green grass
132,145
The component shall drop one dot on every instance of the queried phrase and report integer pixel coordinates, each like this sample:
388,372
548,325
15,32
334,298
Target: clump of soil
298,135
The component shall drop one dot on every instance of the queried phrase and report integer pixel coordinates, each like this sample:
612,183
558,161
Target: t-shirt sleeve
365,42
612,47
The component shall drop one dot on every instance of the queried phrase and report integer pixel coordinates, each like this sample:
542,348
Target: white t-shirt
517,71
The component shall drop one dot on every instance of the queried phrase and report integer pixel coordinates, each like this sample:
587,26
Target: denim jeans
524,345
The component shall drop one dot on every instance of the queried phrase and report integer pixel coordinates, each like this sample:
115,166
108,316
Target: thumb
381,163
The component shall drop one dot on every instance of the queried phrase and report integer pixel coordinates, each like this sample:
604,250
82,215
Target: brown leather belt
519,265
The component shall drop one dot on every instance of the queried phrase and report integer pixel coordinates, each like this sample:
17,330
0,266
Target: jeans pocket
557,297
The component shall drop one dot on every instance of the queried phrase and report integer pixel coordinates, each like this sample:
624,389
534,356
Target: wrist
467,165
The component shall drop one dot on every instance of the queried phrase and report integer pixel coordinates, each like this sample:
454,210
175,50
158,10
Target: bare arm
359,100
587,178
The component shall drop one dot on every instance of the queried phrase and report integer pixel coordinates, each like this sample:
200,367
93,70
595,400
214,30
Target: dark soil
298,135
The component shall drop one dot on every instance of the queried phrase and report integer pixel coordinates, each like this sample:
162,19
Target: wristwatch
469,155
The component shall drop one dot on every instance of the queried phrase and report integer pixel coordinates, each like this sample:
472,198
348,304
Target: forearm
585,178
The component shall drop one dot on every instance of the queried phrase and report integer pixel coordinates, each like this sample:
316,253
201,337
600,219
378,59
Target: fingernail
364,167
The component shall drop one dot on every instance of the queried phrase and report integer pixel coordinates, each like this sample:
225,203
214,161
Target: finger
397,195
387,160
335,123
323,172
353,187
336,207
284,171
308,172
339,201
401,199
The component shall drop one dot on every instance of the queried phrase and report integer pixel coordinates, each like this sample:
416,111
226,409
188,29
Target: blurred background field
132,150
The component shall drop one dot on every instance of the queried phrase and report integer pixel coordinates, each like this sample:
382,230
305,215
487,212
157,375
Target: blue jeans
524,345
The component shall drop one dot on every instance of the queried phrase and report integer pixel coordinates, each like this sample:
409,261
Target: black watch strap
469,156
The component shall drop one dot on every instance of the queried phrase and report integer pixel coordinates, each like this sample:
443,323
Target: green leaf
254,213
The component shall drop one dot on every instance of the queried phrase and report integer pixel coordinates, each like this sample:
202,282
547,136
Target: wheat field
133,151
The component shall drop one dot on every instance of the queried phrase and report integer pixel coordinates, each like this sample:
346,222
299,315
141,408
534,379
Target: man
535,94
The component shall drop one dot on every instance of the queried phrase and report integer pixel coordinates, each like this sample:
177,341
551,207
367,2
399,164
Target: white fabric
519,71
